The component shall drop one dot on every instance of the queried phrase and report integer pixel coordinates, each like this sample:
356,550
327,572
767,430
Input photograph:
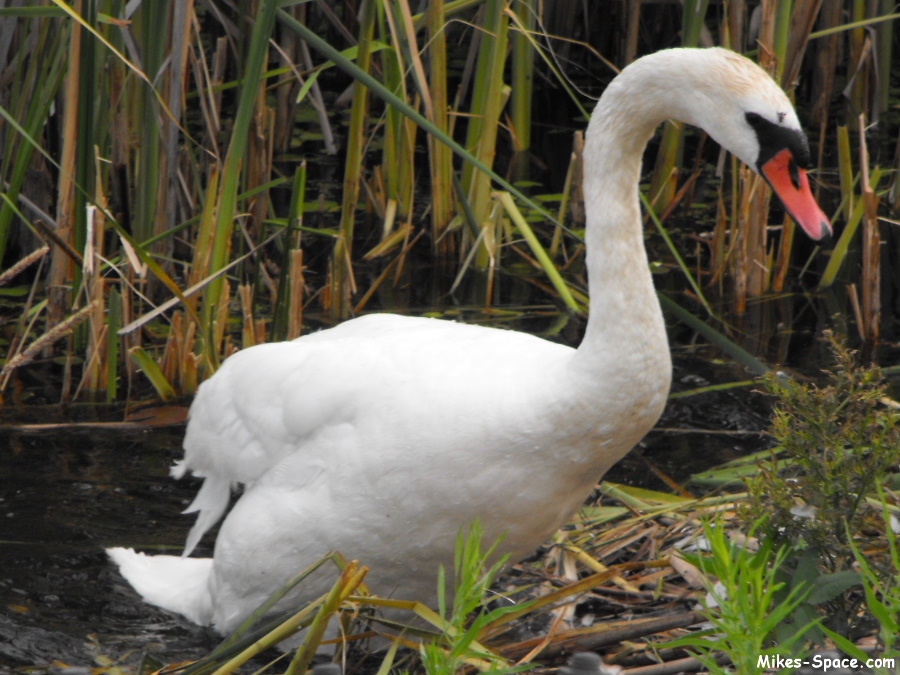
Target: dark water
64,496
698,431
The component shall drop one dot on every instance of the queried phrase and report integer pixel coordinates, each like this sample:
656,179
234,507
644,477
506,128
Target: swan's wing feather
210,504
265,402
278,400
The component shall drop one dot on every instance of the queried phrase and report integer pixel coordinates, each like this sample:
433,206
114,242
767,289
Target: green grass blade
738,353
682,265
226,206
440,157
489,96
39,86
539,251
147,365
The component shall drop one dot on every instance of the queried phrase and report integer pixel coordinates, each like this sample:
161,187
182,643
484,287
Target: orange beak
791,184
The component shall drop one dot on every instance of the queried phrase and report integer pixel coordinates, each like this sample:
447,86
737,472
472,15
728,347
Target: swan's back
267,402
376,391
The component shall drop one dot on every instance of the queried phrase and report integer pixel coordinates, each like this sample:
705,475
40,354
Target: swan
384,436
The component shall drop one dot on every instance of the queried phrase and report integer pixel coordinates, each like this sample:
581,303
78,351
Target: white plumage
384,436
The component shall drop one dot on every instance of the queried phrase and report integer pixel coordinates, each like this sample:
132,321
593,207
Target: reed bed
181,180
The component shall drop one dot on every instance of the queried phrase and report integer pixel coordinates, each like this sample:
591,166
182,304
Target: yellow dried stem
297,294
248,333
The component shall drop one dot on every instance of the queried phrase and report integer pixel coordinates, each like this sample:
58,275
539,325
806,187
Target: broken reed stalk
859,208
62,272
287,316
297,295
440,156
93,377
871,249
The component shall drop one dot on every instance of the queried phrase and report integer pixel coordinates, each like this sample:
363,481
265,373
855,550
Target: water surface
66,494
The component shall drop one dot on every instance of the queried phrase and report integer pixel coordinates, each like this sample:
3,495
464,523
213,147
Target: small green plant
745,605
840,442
837,443
880,571
469,613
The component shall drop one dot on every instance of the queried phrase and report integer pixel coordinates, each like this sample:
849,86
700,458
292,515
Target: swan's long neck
625,331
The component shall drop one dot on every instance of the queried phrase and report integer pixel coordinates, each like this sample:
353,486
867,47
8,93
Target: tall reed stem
235,158
342,284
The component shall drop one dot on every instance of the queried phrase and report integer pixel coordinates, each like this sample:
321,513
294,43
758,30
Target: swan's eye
754,120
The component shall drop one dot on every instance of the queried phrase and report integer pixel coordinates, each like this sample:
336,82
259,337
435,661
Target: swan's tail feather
174,583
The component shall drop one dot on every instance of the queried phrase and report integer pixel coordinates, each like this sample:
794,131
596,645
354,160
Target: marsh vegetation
182,180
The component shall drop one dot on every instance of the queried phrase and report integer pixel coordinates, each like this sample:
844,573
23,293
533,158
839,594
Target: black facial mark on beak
774,138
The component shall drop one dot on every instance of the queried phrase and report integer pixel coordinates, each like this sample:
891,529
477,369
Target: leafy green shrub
837,444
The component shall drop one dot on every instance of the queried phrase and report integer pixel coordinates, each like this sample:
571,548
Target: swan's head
745,111
732,99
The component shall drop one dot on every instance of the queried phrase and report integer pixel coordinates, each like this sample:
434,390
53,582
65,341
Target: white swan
384,436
